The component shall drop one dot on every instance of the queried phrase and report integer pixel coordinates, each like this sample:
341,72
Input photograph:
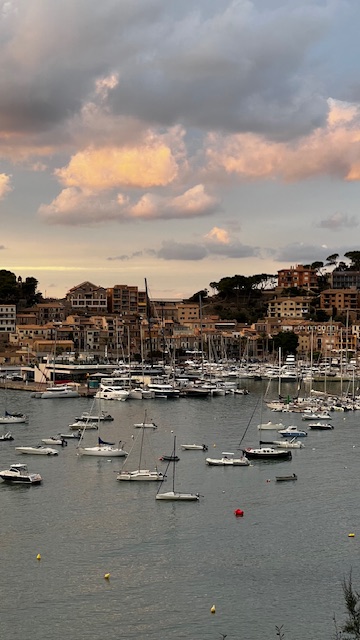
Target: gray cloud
300,253
232,66
172,250
339,221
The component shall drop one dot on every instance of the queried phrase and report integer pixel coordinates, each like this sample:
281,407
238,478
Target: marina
85,524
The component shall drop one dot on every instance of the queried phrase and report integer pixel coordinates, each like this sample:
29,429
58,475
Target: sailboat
12,418
102,449
176,495
139,473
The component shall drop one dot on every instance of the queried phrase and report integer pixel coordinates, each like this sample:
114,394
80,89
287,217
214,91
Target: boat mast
148,313
173,483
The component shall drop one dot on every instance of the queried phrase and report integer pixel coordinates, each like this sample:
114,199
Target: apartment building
298,276
125,299
340,299
296,307
7,318
87,297
345,279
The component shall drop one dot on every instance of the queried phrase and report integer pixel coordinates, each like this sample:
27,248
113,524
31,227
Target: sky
176,141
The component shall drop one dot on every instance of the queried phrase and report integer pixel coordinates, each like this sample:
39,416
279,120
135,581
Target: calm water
281,564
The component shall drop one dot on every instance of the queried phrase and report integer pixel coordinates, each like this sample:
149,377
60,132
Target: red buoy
239,513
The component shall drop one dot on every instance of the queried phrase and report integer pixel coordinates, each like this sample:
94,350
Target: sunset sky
176,141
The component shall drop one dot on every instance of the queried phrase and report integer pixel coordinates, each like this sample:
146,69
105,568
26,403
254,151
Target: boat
102,449
101,417
316,416
112,389
292,432
320,426
6,437
287,444
55,441
176,495
83,424
59,391
76,435
136,458
170,458
13,418
145,424
271,426
18,474
266,453
39,450
286,478
194,447
228,460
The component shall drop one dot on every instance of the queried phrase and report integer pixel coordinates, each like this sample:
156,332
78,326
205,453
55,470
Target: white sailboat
136,472
176,495
102,449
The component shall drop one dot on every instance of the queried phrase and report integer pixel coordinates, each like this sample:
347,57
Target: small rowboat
286,478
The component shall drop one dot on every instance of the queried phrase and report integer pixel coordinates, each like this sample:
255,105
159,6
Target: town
306,312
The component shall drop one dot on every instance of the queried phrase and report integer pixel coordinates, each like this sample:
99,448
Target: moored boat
266,453
194,447
228,460
286,478
39,450
18,474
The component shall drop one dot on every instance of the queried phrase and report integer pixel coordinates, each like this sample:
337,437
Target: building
87,297
296,307
299,276
339,300
7,318
345,279
124,299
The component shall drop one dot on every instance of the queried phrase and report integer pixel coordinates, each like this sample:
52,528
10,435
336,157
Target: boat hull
273,454
105,452
141,475
177,496
39,451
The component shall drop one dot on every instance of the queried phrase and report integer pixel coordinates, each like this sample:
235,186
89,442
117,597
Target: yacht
18,474
59,391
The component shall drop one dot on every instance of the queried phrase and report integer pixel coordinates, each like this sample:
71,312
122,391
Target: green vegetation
14,290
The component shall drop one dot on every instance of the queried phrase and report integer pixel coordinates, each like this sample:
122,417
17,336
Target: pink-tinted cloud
331,150
5,186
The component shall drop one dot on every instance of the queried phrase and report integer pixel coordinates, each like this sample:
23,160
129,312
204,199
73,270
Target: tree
200,295
332,260
287,340
354,257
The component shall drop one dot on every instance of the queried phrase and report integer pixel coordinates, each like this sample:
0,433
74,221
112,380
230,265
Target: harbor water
169,563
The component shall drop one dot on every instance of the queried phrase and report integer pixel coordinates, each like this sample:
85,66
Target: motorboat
228,460
101,417
18,474
316,416
102,449
286,478
83,424
54,440
145,425
59,391
320,426
266,453
76,435
109,390
271,426
39,450
164,390
170,458
194,447
288,444
13,418
6,437
292,432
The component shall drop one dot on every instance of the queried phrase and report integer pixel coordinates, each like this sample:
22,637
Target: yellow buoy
38,557
107,576
213,609
351,535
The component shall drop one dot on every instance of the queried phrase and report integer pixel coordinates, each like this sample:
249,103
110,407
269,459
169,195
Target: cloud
301,253
218,235
75,207
5,186
172,250
339,221
147,166
331,150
